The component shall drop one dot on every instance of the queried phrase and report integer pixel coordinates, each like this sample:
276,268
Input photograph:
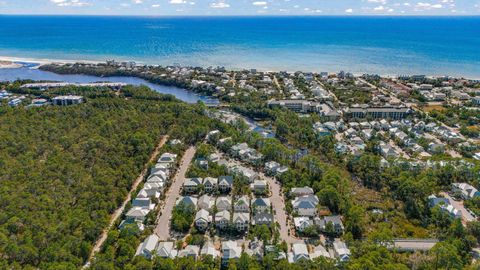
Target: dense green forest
63,170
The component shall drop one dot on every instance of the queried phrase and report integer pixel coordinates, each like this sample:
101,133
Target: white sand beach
13,62
9,64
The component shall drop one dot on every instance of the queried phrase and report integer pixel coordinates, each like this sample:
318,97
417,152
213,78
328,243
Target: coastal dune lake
382,45
28,71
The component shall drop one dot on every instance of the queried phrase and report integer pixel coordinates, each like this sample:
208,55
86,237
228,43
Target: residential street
278,204
163,222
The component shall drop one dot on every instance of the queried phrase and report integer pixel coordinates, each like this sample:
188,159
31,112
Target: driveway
466,216
163,222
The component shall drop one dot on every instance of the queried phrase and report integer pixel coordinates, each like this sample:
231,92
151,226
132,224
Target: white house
143,203
305,205
137,214
241,221
210,184
190,251
224,203
167,159
301,223
259,186
187,200
444,205
341,250
225,183
230,250
202,219
208,249
261,205
301,191
242,204
147,247
467,190
166,250
319,251
222,219
191,185
205,202
299,252
271,167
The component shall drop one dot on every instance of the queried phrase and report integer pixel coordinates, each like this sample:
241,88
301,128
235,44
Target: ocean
381,45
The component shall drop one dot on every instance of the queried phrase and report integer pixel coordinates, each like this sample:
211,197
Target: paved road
119,211
163,221
278,204
412,245
466,216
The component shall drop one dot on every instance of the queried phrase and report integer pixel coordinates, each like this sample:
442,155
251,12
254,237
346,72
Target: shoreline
9,64
45,61
16,63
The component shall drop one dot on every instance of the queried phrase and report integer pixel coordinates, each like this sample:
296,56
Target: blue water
384,45
27,72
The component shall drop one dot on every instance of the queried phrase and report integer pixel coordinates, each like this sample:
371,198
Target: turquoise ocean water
383,45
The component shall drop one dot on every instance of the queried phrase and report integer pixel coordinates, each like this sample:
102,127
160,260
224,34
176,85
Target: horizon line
246,15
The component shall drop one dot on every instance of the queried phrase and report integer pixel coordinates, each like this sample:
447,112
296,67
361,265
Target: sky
242,7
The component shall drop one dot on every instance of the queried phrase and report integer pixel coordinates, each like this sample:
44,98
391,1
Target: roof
68,97
148,245
301,221
244,200
141,202
193,181
302,190
190,250
210,180
224,200
187,200
205,201
203,214
209,249
340,247
225,180
260,183
261,202
167,157
319,251
231,250
299,248
137,212
224,214
155,179
263,218
334,219
305,202
165,249
241,217
378,109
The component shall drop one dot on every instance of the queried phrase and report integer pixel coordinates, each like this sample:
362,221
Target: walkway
99,243
163,222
